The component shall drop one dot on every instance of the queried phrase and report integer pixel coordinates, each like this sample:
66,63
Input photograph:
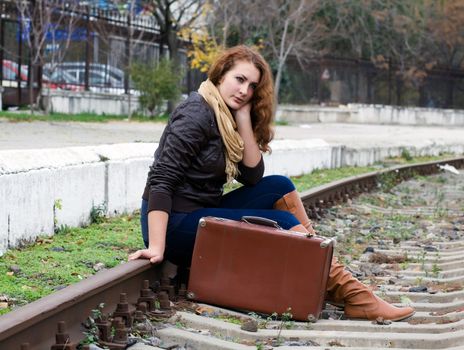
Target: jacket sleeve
250,175
185,136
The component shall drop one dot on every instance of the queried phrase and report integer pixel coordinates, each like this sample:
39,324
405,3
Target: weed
436,270
404,265
57,205
230,319
441,179
388,180
180,324
405,300
92,332
406,155
97,213
103,158
285,321
422,260
62,230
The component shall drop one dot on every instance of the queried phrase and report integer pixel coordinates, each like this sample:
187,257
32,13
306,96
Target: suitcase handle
258,220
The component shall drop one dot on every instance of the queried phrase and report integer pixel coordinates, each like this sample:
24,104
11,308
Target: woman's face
238,84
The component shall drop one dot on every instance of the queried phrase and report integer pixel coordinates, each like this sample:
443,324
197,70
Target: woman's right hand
157,222
154,255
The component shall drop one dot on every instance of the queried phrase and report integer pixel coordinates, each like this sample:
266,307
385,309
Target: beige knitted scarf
227,127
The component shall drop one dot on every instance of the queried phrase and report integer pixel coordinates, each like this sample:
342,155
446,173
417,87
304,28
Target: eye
254,86
240,79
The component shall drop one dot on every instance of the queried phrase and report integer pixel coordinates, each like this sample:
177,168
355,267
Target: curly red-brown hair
263,101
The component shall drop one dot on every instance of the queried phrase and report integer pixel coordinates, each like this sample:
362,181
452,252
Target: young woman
218,134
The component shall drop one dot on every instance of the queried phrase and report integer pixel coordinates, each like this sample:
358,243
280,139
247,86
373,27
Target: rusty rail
322,197
55,321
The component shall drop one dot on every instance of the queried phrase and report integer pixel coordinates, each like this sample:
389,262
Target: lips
238,100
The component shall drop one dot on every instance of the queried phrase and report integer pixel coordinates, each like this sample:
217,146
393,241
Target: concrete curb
45,189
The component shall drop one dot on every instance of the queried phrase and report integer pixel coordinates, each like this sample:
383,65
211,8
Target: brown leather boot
360,302
299,228
292,203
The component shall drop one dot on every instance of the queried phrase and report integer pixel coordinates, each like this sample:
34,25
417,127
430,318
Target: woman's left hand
243,115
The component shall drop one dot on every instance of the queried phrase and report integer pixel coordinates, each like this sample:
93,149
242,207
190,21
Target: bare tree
282,28
48,27
291,29
445,26
402,38
172,16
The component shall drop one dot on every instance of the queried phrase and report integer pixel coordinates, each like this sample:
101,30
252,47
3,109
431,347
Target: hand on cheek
243,113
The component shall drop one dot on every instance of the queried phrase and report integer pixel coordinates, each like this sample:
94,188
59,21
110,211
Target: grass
32,272
324,176
25,116
29,273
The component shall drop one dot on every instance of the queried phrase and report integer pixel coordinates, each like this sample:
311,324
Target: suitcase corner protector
325,243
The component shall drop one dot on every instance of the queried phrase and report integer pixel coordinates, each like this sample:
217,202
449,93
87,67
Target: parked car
100,75
11,71
60,80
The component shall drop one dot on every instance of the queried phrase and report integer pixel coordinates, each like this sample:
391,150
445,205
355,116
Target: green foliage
68,257
406,155
388,180
55,262
436,270
59,117
92,332
322,176
230,319
97,213
157,83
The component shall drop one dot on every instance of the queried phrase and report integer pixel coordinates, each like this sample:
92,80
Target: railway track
435,264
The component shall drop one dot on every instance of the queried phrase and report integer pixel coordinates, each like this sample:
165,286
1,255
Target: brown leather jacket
188,172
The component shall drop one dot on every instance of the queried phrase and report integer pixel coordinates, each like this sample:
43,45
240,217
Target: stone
57,249
430,248
250,326
99,266
381,321
15,268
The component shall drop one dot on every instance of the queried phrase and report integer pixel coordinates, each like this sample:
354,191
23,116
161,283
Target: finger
135,255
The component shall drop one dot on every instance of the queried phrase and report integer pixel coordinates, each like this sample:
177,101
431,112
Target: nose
243,89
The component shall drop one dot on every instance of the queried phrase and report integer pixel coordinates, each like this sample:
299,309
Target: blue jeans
257,200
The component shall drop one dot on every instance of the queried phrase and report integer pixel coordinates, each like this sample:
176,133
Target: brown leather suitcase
253,267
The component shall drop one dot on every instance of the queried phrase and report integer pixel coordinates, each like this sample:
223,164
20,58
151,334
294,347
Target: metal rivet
202,222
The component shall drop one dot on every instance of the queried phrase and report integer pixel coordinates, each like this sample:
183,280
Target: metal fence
92,54
95,53
334,81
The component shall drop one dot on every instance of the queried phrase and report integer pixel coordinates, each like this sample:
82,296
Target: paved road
27,135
